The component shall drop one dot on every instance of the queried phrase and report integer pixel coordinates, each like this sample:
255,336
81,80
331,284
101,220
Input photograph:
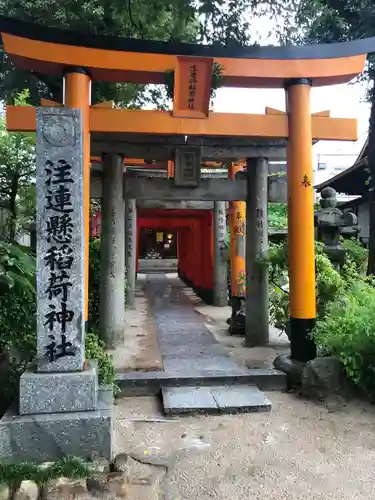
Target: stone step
151,383
214,400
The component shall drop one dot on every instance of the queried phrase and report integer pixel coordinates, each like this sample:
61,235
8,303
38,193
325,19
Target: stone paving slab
240,399
188,400
175,339
189,351
150,383
214,399
211,363
199,375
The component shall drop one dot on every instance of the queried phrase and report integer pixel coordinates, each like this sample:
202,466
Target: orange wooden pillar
179,251
189,256
209,296
300,221
198,282
182,252
237,229
192,256
77,94
170,169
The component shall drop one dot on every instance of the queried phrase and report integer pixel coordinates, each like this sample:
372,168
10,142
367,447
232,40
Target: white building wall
329,165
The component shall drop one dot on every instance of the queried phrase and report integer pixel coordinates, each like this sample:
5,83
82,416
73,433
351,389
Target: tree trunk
371,166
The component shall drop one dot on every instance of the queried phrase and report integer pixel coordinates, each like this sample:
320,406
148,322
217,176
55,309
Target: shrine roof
51,50
352,181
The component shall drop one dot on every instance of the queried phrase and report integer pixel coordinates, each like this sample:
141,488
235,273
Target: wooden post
237,225
300,221
198,257
77,94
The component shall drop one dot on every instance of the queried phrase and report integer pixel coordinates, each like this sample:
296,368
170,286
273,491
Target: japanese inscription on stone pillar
60,240
187,166
130,208
259,217
221,232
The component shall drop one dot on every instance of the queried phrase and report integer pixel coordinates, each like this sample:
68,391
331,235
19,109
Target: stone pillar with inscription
220,255
131,251
112,252
62,410
257,303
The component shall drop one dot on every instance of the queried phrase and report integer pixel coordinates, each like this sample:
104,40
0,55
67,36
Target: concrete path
187,346
185,342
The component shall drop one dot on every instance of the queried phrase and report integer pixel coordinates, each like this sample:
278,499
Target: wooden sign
192,87
187,172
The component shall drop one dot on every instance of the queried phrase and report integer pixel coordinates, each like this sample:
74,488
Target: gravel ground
299,450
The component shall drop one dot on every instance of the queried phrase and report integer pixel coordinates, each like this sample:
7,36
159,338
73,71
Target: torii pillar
237,224
77,94
301,249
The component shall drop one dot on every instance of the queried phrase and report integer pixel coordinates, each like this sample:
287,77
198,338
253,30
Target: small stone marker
60,241
187,171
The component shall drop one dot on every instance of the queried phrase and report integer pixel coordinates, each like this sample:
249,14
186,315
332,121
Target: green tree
211,21
17,177
328,21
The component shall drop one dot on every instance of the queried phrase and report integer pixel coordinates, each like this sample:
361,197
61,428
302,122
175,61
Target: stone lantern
331,223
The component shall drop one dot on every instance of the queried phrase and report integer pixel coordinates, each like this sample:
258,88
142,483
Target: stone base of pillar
292,368
302,345
52,435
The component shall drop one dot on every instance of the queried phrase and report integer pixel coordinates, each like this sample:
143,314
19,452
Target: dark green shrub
356,254
17,316
345,310
347,330
17,303
95,349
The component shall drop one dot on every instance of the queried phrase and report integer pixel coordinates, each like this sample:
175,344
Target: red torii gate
195,252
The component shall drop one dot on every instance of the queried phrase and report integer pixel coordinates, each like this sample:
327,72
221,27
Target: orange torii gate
80,59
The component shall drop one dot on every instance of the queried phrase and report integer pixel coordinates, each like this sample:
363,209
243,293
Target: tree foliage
277,216
211,21
17,175
328,21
